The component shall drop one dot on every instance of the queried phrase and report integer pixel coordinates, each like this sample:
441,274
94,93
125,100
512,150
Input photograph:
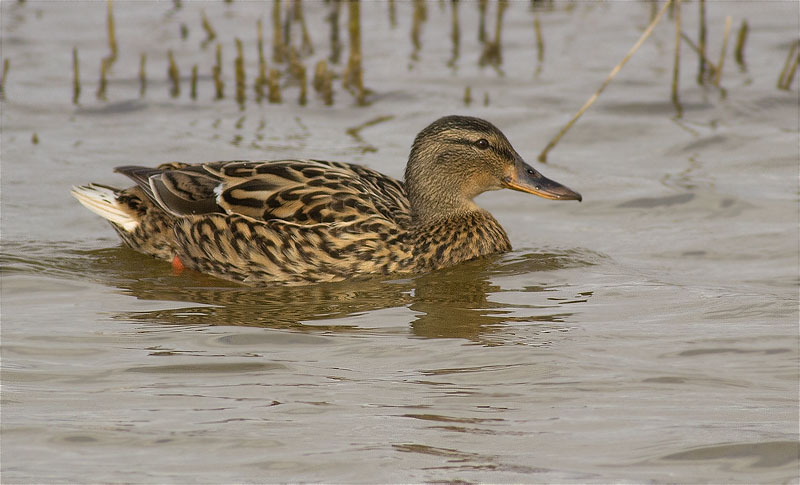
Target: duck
310,221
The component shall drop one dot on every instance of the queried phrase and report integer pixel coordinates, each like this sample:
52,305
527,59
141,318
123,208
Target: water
646,334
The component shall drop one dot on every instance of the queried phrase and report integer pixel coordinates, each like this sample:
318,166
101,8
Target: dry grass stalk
76,76
278,46
261,79
112,37
101,86
467,96
295,66
701,44
792,71
741,38
537,27
241,81
420,15
493,51
482,6
336,43
790,66
142,74
593,98
455,34
174,76
274,86
6,65
353,74
306,48
392,14
323,82
211,34
721,62
193,92
219,84
677,63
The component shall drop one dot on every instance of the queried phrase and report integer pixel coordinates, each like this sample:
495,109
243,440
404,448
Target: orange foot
177,266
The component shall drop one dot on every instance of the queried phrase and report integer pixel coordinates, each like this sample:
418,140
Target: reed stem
353,74
142,74
219,84
420,15
6,65
482,7
323,82
721,62
274,86
174,75
701,44
101,87
261,80
306,48
76,76
789,67
211,34
193,92
241,81
278,46
112,37
677,63
741,38
392,14
336,43
455,34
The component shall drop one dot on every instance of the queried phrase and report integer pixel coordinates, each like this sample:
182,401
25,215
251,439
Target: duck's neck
453,239
436,202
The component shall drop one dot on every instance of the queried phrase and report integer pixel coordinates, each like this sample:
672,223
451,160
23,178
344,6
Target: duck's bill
526,179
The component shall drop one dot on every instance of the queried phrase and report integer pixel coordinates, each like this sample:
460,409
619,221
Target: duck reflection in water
450,303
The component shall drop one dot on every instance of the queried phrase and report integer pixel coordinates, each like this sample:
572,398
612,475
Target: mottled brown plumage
301,221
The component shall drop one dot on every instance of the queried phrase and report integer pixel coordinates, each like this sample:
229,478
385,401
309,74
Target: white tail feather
103,202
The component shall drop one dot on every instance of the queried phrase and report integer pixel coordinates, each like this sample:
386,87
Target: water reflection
452,303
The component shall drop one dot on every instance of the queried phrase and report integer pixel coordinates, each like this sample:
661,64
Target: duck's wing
308,191
298,191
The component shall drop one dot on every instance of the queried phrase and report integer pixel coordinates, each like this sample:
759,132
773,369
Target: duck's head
457,158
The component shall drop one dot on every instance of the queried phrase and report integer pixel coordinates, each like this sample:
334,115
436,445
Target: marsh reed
293,67
3,77
76,77
790,67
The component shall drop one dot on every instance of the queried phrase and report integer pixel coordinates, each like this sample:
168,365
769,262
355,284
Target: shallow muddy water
649,333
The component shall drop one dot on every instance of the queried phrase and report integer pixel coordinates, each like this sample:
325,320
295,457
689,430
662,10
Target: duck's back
298,191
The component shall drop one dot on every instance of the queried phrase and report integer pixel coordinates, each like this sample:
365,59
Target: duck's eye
482,144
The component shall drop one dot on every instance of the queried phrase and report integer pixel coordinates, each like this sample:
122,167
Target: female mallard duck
300,221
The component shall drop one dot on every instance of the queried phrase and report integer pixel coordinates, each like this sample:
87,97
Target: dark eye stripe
502,151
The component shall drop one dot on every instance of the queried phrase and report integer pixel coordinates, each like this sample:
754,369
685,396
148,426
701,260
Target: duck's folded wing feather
179,189
298,191
307,191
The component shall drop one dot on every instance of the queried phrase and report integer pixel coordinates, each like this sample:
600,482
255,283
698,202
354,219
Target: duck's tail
102,201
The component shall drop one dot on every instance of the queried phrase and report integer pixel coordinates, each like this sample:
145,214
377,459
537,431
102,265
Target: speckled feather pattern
294,221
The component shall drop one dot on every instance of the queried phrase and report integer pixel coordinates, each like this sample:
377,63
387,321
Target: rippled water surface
649,333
